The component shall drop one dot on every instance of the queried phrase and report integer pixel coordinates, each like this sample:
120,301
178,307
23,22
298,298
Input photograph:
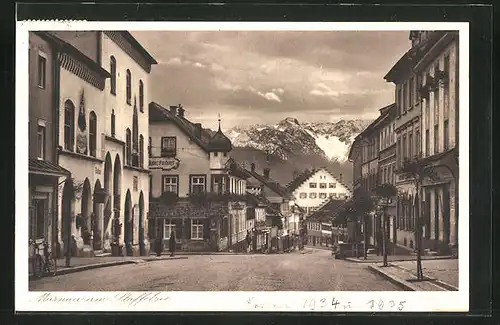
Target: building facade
425,128
313,188
103,80
438,71
44,171
197,191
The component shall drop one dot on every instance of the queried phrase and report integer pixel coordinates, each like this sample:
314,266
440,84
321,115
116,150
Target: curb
393,279
440,283
82,268
355,260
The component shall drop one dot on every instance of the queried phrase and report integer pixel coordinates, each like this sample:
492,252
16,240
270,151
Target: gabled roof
157,113
303,177
256,200
271,184
327,210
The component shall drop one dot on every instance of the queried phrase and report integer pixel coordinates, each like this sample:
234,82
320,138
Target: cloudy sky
262,77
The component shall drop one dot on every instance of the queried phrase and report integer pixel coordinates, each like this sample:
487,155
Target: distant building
320,223
277,200
197,191
256,220
314,187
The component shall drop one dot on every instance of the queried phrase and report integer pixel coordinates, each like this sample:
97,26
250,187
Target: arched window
69,125
112,68
128,151
113,123
149,147
141,151
93,133
141,96
129,87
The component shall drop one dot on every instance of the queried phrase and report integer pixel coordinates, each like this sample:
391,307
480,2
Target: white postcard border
233,301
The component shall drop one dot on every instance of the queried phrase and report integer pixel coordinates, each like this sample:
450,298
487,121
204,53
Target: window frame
446,135
112,70
303,195
93,134
69,126
41,72
313,195
141,96
198,225
170,152
141,151
313,185
322,185
128,86
128,147
192,184
330,185
171,226
41,132
163,179
323,195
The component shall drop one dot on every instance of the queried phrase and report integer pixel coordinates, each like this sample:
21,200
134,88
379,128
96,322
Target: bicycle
45,264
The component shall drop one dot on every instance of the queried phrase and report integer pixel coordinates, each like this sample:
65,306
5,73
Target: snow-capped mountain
290,137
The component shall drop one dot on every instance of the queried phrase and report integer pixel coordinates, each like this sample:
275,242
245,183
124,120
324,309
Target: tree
416,171
385,192
355,210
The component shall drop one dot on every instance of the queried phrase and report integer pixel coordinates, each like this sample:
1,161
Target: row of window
370,149
322,185
388,136
407,146
322,195
387,174
220,184
196,230
69,129
128,77
169,147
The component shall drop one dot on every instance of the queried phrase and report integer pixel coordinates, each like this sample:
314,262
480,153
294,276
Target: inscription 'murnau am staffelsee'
49,297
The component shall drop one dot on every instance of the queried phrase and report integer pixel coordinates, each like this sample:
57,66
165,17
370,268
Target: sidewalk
79,264
395,258
439,275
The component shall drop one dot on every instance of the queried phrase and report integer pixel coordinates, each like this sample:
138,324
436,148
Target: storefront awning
46,168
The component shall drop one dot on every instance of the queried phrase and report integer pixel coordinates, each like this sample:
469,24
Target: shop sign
165,163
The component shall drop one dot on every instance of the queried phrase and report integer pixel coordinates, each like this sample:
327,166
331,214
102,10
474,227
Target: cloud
264,75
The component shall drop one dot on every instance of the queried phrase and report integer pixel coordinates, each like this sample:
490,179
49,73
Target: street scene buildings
118,171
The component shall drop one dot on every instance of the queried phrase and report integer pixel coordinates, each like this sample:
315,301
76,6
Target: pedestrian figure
248,241
171,243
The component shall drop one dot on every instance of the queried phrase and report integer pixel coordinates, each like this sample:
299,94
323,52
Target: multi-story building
438,71
256,219
314,187
277,200
320,223
44,171
416,91
102,81
197,191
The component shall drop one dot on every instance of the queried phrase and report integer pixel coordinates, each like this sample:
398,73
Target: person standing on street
171,243
249,241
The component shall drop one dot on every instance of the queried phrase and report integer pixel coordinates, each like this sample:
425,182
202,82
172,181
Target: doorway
128,224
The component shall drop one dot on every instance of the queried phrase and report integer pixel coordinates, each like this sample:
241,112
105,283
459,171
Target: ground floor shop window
37,222
197,229
168,227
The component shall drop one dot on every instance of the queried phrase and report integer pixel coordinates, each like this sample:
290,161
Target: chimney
180,110
197,130
340,178
173,110
266,172
252,167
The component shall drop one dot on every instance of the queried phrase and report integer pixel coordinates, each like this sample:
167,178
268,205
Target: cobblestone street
316,270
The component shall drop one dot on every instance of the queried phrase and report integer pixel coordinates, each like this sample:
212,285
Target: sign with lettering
97,170
165,163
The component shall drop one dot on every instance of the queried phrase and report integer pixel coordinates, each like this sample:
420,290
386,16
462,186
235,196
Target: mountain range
289,146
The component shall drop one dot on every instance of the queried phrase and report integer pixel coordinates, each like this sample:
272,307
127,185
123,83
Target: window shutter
206,229
187,225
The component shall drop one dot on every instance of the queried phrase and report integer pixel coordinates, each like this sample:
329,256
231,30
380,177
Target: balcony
409,115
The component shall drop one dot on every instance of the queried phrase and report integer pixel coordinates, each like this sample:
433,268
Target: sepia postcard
242,166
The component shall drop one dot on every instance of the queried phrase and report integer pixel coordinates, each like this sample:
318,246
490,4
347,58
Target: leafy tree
385,192
416,171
